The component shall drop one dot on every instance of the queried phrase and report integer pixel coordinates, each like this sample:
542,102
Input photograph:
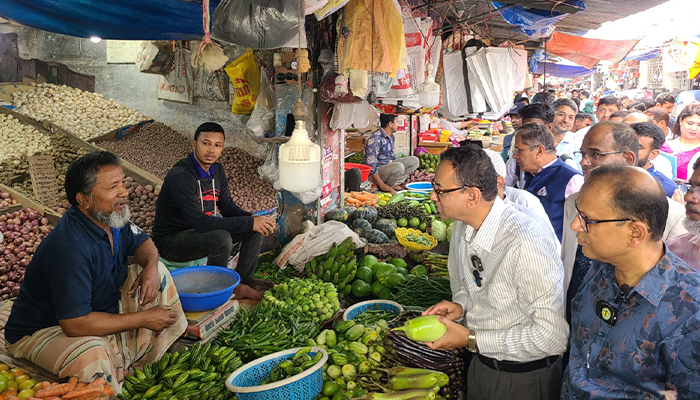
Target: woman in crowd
685,144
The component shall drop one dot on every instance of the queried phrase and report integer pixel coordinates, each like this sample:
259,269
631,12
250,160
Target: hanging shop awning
588,52
111,19
536,23
643,55
564,71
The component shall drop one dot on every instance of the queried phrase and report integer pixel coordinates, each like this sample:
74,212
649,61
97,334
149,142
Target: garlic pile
18,139
84,114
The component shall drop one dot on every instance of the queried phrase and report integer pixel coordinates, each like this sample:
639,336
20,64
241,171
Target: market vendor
196,216
388,172
507,284
82,310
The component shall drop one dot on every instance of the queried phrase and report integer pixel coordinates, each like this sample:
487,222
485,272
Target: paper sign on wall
43,173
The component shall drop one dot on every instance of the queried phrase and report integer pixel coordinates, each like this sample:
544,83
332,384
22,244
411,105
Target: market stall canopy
643,55
111,19
564,71
588,52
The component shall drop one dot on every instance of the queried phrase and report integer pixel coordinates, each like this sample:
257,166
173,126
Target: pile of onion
22,231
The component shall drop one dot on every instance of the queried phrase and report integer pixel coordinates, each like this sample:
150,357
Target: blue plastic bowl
246,381
204,287
359,308
419,186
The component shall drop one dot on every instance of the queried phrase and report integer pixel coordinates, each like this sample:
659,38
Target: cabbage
449,232
420,150
439,230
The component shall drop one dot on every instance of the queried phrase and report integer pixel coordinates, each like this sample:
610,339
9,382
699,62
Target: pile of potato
142,203
84,114
154,147
248,189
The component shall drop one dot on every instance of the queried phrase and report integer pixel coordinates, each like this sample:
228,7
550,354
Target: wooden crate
25,202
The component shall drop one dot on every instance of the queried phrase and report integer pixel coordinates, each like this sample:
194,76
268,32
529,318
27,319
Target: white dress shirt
529,204
569,243
518,312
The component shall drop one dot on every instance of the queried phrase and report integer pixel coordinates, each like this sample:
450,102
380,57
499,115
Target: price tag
43,173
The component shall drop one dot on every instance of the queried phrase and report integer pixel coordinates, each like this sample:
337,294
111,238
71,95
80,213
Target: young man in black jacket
196,216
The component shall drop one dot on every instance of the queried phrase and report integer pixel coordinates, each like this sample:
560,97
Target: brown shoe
243,291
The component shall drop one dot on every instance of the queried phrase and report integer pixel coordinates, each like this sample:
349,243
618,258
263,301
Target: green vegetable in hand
423,329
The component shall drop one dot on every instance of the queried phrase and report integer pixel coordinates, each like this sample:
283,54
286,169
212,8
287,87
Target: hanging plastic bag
245,79
257,24
331,90
262,119
269,170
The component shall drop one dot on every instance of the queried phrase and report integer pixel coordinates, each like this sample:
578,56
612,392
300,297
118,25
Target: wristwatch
471,344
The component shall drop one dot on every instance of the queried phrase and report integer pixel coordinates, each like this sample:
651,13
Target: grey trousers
484,383
395,173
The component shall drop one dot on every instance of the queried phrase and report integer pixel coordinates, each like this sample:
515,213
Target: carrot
79,386
9,393
97,382
53,384
31,398
53,398
88,396
54,391
85,391
11,398
45,384
73,382
109,390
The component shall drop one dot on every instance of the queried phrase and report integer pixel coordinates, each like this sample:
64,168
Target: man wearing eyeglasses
507,284
545,175
606,143
687,245
635,330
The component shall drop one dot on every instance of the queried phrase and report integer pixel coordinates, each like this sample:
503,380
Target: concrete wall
125,84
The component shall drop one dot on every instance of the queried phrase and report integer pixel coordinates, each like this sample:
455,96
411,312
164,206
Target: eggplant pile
22,231
403,351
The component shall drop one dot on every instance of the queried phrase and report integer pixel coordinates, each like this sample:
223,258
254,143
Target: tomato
4,367
13,385
6,374
3,383
28,384
17,372
25,393
21,378
8,393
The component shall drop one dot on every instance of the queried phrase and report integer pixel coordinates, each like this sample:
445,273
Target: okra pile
197,373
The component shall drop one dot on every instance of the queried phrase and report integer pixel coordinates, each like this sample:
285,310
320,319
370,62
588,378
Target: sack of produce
256,24
177,84
245,79
314,241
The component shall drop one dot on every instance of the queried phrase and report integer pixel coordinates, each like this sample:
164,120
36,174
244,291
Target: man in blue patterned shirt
387,173
635,324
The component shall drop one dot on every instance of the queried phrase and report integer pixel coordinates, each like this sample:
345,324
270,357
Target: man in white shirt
545,175
606,143
507,284
564,139
520,199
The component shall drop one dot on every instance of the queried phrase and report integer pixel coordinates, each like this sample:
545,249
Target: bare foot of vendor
244,291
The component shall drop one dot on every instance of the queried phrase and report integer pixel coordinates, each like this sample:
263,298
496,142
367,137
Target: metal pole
544,76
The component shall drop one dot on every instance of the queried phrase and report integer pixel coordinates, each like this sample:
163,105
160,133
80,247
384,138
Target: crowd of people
575,266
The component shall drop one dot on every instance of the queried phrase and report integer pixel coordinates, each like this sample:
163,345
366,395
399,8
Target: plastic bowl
386,305
204,287
245,381
423,187
364,169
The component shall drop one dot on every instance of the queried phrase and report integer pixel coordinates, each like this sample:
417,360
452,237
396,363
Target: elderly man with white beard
687,245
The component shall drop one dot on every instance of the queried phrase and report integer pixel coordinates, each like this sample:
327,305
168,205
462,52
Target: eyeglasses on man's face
689,187
595,156
517,151
439,191
585,222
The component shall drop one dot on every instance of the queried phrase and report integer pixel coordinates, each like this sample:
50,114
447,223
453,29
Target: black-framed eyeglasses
477,269
585,222
517,151
594,156
689,187
439,191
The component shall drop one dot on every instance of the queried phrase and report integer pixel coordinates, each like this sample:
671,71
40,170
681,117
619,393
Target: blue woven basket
245,381
385,305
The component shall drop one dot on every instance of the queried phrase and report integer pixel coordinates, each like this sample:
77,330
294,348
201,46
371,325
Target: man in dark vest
546,175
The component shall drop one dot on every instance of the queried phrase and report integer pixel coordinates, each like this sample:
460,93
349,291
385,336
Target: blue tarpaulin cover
643,55
534,22
564,71
111,19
